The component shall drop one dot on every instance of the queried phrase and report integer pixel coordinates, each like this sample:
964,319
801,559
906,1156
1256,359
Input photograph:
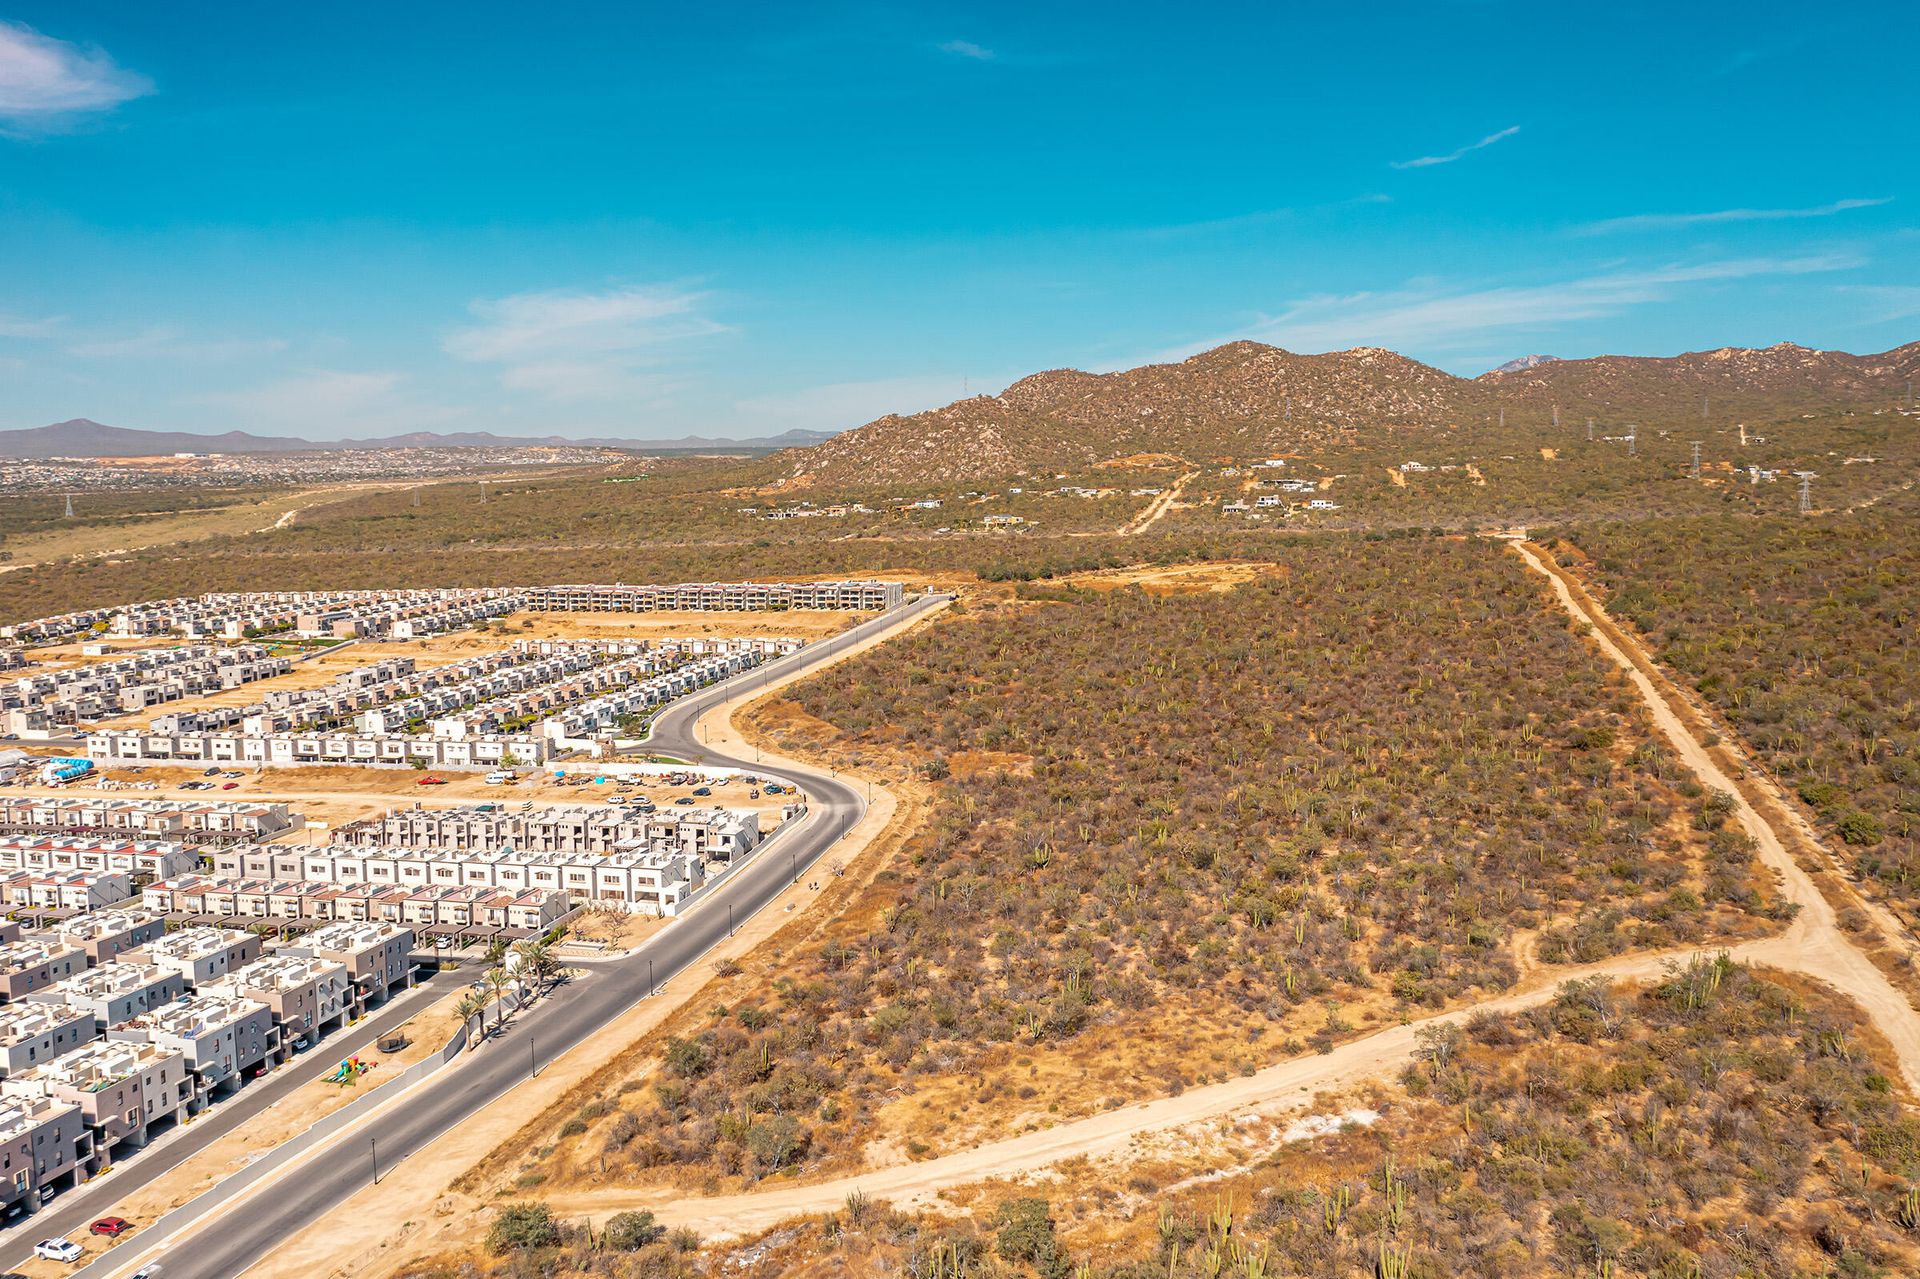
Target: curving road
571,1013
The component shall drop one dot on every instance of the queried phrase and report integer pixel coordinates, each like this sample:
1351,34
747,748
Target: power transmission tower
1806,491
1703,408
1289,416
1633,442
1693,470
483,492
69,506
1503,419
416,498
1556,417
1589,430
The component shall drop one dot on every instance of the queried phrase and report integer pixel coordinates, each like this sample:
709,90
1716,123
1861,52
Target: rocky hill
1246,400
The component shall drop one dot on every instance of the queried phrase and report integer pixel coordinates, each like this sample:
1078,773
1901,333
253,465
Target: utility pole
1703,407
1589,430
1693,470
373,1147
483,492
416,499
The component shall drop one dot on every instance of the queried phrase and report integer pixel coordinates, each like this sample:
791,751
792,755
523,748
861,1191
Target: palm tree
469,1007
536,962
498,981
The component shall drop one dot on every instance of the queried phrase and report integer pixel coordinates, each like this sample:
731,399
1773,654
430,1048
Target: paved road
72,1212
569,1015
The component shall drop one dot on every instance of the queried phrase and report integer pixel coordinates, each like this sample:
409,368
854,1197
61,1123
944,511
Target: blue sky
649,220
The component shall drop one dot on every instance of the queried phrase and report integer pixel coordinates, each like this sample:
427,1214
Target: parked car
230,786
112,1227
431,781
57,1250
684,799
703,790
301,1044
211,772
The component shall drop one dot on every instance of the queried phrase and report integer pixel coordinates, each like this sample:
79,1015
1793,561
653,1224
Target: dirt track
1157,509
1813,945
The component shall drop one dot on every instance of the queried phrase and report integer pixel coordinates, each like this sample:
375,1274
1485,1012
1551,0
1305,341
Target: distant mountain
1526,362
82,437
1246,399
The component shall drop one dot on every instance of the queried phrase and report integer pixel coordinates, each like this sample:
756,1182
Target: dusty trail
1157,508
1813,945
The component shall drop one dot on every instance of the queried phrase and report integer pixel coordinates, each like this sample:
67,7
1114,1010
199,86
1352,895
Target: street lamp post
373,1147
533,1061
650,986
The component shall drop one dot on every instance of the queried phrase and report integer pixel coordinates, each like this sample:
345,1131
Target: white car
498,778
57,1250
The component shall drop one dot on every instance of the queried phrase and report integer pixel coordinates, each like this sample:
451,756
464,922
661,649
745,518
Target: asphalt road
570,1014
73,1211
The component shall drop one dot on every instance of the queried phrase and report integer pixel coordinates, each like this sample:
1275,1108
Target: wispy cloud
172,343
20,326
570,345
44,81
1889,301
1258,218
1433,317
1427,161
1667,221
967,49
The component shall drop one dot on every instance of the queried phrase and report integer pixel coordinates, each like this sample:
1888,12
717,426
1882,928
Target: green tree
521,1226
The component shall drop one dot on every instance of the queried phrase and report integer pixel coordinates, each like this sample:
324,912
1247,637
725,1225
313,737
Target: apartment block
307,995
28,967
104,935
377,955
45,1145
202,955
713,833
117,992
33,1034
293,750
218,1035
65,891
121,1088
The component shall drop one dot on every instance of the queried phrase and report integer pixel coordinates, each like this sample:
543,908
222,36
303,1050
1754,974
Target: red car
111,1226
229,785
431,781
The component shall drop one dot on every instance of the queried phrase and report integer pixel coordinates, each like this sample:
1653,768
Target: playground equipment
348,1072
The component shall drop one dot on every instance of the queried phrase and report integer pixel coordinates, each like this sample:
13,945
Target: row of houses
639,879
346,696
169,819
120,855
857,596
411,614
131,684
290,749
716,834
441,910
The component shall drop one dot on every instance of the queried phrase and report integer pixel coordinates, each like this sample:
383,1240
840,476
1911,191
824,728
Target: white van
499,776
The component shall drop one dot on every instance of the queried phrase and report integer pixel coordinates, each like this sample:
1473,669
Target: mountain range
1247,399
81,437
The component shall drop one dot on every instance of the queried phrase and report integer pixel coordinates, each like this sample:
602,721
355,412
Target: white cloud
967,49
169,342
1427,161
839,405
1660,221
43,80
333,404
583,346
1890,301
1431,316
20,326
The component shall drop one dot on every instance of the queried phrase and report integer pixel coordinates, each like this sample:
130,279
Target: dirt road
1157,508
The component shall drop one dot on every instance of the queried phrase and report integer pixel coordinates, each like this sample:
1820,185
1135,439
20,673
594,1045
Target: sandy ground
418,1212
1397,477
1180,579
